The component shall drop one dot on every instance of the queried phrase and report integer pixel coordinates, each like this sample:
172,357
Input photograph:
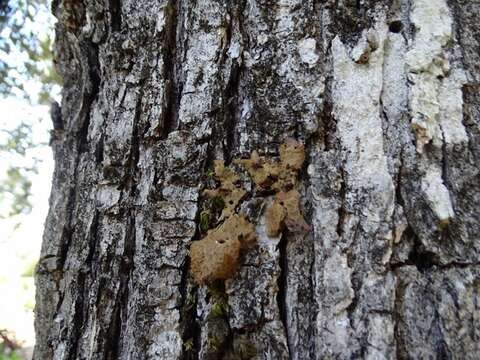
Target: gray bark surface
385,95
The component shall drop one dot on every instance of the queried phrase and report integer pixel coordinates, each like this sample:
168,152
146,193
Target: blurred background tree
25,58
28,85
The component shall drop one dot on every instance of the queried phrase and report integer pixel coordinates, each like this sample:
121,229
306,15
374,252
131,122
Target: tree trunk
385,95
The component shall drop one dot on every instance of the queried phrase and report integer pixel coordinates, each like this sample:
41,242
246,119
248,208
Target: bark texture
385,95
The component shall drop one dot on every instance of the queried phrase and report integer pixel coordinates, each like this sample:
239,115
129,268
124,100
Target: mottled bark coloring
382,97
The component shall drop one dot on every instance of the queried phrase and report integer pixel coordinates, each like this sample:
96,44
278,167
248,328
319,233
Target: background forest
28,84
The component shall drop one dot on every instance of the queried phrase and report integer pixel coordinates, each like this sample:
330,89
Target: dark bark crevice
173,44
342,211
421,258
399,180
471,116
191,342
397,318
230,112
191,328
283,285
132,173
115,10
445,173
91,260
426,261
356,286
230,94
78,316
78,144
91,88
113,334
125,271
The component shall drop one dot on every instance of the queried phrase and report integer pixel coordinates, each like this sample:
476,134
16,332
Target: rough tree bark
385,95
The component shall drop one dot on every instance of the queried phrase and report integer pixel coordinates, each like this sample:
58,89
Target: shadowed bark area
385,97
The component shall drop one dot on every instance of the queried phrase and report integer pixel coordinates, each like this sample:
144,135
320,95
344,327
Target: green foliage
205,220
188,345
218,299
217,204
11,356
212,208
218,309
8,354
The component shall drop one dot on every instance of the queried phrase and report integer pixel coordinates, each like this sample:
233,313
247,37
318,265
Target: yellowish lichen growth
216,256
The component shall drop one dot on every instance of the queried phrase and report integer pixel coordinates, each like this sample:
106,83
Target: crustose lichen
217,255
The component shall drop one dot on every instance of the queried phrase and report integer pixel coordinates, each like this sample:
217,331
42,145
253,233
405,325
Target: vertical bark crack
91,86
174,36
78,317
230,107
115,8
125,267
342,212
282,286
134,153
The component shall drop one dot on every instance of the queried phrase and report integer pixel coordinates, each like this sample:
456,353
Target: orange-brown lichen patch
294,219
285,181
292,154
263,173
280,175
229,190
224,174
231,199
216,257
285,210
274,217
